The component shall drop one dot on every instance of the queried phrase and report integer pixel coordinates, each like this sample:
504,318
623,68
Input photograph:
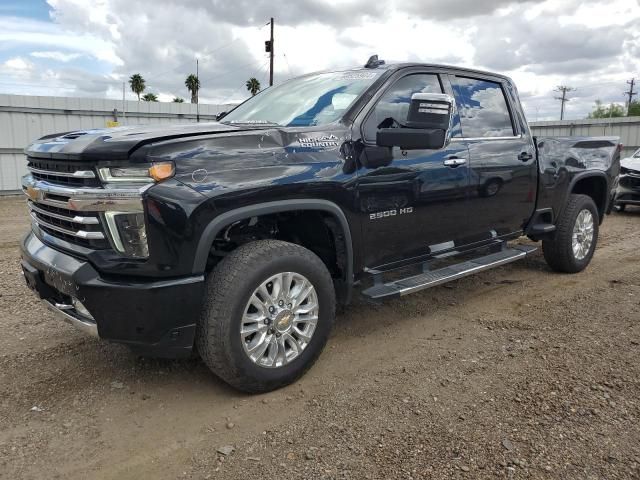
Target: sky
88,48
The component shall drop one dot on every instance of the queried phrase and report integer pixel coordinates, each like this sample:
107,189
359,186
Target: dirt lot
514,373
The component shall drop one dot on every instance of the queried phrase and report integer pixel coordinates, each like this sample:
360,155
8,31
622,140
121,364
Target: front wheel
269,308
571,248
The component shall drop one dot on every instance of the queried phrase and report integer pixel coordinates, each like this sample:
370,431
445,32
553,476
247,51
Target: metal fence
627,128
26,118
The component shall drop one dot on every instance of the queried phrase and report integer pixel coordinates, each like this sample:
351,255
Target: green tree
150,97
608,111
178,100
137,84
253,85
193,85
634,109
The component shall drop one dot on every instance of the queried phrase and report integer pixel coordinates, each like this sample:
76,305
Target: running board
434,278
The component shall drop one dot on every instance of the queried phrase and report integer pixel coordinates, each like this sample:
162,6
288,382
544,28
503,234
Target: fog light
80,308
128,233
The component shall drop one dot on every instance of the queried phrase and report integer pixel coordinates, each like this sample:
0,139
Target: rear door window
483,108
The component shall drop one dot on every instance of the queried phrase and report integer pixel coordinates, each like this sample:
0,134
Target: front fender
216,225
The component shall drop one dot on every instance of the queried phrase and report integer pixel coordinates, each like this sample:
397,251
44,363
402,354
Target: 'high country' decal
323,141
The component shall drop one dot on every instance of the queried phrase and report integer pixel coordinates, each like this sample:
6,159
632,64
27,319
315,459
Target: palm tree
253,85
193,85
178,100
150,97
136,82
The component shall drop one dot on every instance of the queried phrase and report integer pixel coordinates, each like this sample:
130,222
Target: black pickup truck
236,239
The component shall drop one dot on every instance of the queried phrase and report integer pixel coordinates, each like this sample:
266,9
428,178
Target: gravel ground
514,373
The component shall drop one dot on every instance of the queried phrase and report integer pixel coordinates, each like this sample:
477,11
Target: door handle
454,162
525,157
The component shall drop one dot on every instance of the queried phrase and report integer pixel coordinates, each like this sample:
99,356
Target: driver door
418,203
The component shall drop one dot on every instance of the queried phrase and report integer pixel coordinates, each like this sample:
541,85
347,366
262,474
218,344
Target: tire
231,285
559,250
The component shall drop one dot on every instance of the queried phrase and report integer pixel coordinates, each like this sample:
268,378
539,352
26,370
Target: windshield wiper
257,123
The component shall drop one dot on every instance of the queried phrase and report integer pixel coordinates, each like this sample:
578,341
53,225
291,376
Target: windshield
637,154
305,101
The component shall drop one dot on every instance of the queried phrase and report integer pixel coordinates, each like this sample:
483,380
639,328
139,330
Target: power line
288,66
252,63
563,99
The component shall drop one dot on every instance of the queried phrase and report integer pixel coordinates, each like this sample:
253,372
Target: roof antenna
373,62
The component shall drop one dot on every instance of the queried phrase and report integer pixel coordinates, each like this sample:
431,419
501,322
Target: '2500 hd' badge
390,213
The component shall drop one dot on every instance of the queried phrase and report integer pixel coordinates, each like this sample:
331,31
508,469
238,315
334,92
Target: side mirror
375,157
428,124
411,138
220,116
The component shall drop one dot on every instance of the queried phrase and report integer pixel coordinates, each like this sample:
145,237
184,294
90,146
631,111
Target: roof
393,66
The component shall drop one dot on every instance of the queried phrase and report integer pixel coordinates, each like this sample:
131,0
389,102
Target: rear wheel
268,312
571,248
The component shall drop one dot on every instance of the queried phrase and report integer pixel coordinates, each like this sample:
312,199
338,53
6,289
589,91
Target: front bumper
155,318
628,191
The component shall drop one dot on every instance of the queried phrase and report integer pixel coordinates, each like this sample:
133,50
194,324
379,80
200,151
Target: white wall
26,118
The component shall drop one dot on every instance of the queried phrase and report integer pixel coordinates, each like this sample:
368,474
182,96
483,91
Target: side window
483,108
394,103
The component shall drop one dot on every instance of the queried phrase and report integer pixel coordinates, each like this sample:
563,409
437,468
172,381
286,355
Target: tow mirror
428,124
375,157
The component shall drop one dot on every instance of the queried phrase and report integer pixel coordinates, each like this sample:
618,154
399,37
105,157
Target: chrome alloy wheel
279,320
582,234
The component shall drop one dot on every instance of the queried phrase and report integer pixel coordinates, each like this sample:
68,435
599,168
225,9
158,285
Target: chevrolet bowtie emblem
32,193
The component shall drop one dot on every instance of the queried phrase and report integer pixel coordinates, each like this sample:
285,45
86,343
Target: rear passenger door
501,153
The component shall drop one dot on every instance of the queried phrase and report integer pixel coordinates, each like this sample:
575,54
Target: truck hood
631,163
108,144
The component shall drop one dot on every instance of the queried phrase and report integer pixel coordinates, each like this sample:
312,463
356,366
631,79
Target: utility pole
630,93
197,92
271,56
563,90
124,110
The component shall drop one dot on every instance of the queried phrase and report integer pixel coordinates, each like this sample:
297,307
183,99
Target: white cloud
20,32
18,64
593,45
58,56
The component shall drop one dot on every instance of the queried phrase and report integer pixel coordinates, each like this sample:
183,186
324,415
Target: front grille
80,228
68,204
72,174
630,180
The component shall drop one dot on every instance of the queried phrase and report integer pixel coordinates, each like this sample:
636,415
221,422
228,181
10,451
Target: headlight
128,233
139,174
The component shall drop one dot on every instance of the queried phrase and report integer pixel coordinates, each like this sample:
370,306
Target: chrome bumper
68,313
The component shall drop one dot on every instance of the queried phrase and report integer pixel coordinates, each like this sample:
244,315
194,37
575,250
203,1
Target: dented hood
631,163
119,143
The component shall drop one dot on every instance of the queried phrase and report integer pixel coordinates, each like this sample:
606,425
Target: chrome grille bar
125,199
76,219
54,173
77,233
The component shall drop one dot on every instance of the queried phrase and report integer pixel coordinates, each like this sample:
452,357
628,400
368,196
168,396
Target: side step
434,278
541,229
